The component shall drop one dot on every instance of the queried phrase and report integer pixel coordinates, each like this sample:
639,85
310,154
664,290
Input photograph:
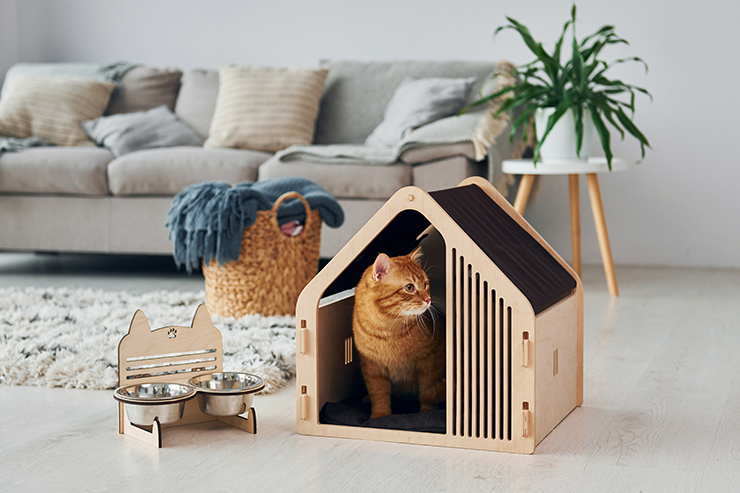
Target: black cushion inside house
406,416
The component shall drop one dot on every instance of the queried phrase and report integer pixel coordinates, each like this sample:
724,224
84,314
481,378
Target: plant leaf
632,128
602,31
559,44
578,113
630,59
550,65
560,109
522,119
579,75
603,132
486,99
608,113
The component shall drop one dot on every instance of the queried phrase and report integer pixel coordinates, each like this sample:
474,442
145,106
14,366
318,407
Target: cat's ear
202,317
416,254
382,267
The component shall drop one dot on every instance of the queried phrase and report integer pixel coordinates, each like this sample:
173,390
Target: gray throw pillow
145,88
417,102
129,132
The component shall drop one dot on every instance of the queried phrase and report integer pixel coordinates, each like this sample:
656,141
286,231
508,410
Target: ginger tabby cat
401,351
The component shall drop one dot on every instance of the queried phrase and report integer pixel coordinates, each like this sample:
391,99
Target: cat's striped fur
401,346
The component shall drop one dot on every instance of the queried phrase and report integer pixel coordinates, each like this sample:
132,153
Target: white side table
591,169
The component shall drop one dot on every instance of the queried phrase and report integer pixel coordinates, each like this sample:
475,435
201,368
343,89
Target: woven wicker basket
272,268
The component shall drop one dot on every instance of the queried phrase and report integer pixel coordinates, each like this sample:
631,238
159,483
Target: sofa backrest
356,93
196,102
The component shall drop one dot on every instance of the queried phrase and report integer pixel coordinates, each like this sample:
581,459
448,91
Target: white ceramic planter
560,144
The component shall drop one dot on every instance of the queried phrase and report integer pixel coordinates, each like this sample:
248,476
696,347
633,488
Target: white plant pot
560,144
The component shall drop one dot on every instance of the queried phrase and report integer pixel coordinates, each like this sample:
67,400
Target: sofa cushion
196,101
356,93
52,107
144,88
128,132
167,171
63,170
344,180
265,108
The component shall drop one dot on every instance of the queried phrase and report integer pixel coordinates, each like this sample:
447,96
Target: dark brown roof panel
531,268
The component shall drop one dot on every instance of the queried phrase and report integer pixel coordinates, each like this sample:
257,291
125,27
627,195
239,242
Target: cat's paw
425,408
379,414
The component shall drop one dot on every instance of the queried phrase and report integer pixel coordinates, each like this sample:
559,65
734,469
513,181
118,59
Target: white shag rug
69,337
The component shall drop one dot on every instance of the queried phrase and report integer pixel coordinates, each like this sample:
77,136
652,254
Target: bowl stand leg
125,427
247,423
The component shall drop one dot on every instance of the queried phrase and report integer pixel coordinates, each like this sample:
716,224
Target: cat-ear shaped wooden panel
170,353
139,324
201,318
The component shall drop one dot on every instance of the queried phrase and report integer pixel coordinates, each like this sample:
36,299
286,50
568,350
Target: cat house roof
474,209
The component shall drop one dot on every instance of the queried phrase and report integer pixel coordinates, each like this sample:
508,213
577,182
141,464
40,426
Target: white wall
9,53
679,207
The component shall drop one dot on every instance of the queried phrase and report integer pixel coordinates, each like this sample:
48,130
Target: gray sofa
81,199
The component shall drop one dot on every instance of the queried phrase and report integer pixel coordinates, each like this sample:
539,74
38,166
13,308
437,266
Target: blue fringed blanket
207,220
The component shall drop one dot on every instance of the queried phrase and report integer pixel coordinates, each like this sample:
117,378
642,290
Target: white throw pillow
417,102
52,107
265,109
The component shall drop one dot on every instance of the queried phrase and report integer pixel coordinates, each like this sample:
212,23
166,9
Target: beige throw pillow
265,109
52,107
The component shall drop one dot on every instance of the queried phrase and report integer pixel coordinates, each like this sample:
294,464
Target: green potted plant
567,100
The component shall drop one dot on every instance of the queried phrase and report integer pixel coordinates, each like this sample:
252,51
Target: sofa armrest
451,136
445,173
421,155
474,137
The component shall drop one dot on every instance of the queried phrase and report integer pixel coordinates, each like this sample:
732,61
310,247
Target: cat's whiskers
434,320
423,327
396,320
420,324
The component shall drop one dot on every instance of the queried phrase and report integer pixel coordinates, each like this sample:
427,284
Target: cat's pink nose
428,300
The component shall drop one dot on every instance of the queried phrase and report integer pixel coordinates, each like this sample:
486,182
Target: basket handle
288,196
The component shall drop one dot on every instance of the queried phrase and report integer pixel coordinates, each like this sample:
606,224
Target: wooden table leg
522,195
575,222
600,220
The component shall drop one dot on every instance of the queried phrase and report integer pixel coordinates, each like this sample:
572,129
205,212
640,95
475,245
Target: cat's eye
409,288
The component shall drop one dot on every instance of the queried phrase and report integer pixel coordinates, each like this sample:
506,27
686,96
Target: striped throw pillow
52,107
265,109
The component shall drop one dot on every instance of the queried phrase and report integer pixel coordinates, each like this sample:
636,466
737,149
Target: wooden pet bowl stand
172,354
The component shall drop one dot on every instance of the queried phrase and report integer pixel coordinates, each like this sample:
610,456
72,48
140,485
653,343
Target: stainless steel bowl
227,393
144,402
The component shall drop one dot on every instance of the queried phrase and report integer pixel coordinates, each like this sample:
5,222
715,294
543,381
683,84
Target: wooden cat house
513,313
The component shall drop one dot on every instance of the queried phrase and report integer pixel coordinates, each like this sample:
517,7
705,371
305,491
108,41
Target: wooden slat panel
458,303
480,296
472,353
490,298
451,359
465,317
507,371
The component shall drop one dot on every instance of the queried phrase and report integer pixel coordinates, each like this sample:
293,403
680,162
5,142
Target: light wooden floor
661,410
